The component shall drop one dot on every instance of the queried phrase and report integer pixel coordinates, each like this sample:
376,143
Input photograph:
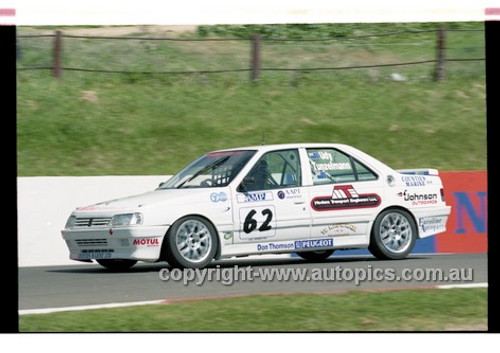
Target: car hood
165,197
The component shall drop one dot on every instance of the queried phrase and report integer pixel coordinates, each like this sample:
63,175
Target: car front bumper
141,243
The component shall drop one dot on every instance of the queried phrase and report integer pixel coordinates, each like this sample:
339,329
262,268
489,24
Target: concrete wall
44,204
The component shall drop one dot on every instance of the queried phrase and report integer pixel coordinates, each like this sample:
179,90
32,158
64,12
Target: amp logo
255,197
261,196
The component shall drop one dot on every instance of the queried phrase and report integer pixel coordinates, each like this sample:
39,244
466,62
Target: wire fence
152,55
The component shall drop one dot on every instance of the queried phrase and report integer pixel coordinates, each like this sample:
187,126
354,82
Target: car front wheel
393,235
191,243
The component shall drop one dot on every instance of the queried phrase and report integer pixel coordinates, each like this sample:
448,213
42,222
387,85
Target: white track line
463,285
89,307
166,301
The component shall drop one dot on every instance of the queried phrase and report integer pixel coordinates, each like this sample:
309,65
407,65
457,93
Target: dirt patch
472,327
118,31
89,96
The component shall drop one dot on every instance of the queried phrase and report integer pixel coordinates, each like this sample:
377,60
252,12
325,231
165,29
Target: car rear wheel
191,243
117,264
393,235
315,255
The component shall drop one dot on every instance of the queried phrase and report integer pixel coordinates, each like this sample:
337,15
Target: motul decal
147,241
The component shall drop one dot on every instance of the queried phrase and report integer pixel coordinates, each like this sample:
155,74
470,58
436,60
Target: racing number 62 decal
257,222
250,223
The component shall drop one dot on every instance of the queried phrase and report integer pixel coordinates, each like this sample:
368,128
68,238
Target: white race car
308,199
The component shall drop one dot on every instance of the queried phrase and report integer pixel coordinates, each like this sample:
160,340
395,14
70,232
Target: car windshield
214,169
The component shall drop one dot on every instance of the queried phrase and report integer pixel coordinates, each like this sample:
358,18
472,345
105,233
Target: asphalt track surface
91,284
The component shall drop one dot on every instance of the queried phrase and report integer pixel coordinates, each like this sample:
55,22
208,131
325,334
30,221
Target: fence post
57,68
255,71
441,52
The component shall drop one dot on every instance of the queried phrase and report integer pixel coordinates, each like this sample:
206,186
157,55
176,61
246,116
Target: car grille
95,251
91,222
91,242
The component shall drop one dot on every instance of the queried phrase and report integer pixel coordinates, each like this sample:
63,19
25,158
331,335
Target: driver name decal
345,197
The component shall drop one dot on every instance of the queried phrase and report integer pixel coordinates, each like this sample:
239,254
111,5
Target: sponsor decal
294,193
255,197
313,243
275,246
314,155
432,224
296,245
326,163
321,155
147,242
228,237
218,197
390,180
339,229
414,180
345,197
321,175
330,166
418,199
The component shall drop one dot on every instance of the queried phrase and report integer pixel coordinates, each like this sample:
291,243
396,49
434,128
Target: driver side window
274,170
329,166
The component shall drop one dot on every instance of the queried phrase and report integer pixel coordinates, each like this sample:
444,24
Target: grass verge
404,310
131,124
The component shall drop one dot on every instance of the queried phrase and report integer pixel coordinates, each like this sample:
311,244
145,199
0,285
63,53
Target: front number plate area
95,254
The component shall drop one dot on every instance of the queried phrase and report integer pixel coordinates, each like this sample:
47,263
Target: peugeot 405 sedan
308,199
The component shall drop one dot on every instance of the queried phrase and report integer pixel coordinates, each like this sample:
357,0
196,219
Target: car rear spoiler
422,171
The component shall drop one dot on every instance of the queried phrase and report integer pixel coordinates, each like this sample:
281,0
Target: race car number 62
250,223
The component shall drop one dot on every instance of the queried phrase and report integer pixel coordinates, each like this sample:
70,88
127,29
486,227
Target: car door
345,196
270,204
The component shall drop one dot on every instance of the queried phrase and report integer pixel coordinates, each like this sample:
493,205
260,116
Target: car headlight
127,219
70,222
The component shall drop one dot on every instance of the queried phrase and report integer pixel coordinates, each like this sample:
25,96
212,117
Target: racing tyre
117,264
315,255
393,235
191,243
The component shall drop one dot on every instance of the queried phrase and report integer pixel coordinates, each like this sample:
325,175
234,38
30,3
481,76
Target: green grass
62,130
405,310
101,124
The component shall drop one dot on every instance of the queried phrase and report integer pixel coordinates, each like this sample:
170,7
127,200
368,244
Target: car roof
371,161
284,146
